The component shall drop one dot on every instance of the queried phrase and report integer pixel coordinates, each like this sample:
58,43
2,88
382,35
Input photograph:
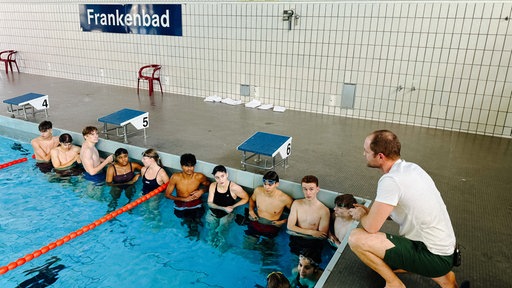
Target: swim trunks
44,167
195,213
98,179
298,244
262,227
181,205
71,170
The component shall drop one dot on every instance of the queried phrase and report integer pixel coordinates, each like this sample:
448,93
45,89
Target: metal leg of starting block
244,157
105,130
125,133
25,111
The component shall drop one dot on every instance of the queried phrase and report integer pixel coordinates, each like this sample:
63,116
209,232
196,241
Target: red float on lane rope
17,161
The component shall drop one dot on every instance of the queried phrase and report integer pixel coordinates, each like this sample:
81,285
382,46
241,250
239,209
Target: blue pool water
146,247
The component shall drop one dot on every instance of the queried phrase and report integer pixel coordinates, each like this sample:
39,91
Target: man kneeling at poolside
270,203
406,193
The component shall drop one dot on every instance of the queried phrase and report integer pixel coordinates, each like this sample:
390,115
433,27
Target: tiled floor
472,172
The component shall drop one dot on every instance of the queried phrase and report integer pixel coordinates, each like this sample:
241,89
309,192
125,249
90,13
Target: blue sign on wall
151,19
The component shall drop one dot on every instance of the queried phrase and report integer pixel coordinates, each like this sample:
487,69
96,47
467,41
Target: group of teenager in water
308,221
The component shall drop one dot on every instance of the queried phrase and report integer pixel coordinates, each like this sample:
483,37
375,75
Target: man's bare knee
355,236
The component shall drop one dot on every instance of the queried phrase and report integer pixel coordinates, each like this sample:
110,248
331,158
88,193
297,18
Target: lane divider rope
17,161
81,231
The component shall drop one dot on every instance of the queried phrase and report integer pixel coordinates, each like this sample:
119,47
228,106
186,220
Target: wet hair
385,142
271,175
309,179
45,126
188,159
151,153
219,168
277,280
313,256
65,138
120,151
345,201
88,130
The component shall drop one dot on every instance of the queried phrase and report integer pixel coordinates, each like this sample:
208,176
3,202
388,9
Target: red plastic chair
150,73
9,57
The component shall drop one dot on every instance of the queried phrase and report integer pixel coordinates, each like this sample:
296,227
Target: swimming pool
144,248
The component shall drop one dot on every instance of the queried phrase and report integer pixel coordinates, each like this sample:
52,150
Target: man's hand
358,212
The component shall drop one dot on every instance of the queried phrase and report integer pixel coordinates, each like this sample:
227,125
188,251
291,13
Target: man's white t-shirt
419,209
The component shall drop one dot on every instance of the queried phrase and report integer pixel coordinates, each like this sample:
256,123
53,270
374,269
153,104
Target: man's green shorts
414,257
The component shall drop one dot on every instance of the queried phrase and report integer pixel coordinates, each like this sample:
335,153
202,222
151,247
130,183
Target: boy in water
308,223
266,205
90,156
42,146
341,218
190,186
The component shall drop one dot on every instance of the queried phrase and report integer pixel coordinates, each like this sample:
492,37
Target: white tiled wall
441,64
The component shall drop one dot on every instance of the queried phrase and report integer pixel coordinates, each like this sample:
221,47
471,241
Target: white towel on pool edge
253,104
279,109
265,106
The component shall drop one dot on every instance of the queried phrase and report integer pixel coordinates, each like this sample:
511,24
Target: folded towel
253,104
213,98
265,106
230,101
279,108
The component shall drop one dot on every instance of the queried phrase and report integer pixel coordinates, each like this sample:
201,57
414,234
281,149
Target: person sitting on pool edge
341,220
91,160
189,186
121,176
308,270
308,222
223,198
266,206
42,146
66,156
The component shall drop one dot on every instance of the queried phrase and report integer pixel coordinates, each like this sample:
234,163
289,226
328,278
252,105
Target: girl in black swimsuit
121,176
153,176
224,196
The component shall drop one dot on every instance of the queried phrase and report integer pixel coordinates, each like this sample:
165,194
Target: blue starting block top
29,101
267,144
125,116
25,99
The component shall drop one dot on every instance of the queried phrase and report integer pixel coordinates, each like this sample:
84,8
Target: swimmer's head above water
270,178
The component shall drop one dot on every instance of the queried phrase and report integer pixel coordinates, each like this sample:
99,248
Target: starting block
121,119
30,102
268,145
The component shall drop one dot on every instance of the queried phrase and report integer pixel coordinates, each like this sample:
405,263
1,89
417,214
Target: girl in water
121,176
153,175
